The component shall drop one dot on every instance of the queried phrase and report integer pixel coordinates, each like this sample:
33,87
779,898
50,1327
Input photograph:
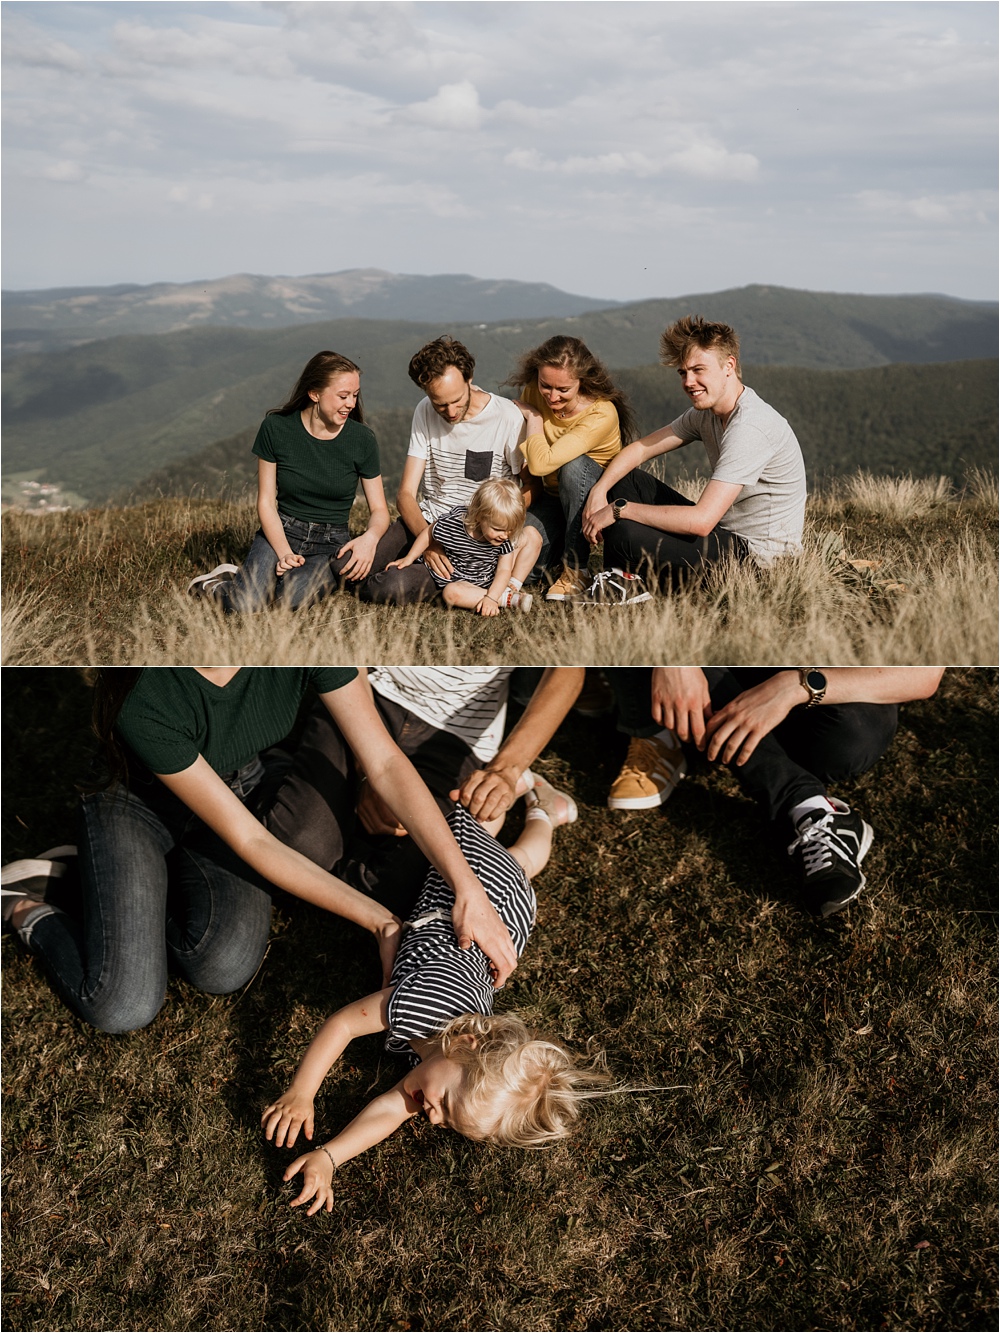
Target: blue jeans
159,890
257,585
560,521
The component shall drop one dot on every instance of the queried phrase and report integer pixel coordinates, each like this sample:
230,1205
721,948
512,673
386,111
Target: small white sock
536,812
810,803
516,585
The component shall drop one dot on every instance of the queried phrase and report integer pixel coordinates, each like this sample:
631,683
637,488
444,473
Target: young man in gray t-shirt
754,505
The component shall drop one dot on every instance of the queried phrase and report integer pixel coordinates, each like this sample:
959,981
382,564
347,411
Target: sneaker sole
643,802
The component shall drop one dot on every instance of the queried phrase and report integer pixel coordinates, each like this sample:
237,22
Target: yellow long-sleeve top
593,432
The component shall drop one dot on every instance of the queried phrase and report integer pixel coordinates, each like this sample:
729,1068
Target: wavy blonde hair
521,1090
498,501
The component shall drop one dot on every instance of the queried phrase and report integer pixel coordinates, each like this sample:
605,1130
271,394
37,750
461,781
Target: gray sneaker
31,879
614,587
206,584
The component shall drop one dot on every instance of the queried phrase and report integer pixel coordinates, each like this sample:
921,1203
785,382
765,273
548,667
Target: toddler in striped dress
483,1074
481,540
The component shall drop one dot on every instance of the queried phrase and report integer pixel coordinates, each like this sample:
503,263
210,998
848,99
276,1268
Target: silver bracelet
330,1155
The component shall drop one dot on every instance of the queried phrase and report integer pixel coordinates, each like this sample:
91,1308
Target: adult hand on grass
317,1180
437,562
375,816
362,552
476,922
283,1119
681,701
735,731
287,562
488,793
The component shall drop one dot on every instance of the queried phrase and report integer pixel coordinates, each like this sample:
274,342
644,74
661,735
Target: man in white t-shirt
754,505
460,436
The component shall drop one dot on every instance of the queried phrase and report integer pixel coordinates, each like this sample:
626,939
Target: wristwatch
618,505
813,682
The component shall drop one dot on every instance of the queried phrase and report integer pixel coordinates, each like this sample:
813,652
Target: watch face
816,680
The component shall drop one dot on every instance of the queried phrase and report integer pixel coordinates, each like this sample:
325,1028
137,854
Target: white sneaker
614,587
207,583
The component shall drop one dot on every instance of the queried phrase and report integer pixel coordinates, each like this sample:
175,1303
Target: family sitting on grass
379,798
567,446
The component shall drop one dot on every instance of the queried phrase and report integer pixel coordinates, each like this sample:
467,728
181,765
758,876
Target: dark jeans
159,890
320,817
559,520
256,585
810,748
399,587
635,546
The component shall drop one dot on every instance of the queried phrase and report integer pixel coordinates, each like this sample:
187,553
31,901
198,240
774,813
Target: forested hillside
924,420
105,415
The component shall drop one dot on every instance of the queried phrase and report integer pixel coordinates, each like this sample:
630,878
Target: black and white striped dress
473,560
433,979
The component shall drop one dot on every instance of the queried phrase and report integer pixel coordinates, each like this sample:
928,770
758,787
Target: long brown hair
575,356
317,373
112,686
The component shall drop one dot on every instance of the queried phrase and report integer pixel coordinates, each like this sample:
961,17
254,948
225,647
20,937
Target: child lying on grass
480,1073
481,540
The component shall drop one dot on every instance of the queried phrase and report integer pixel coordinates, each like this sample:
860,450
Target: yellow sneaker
652,769
569,584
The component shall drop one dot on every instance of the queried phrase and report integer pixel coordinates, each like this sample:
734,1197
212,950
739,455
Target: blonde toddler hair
498,501
521,1090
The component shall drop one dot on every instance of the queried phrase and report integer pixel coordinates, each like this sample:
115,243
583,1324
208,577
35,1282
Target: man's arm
734,732
406,496
490,791
696,520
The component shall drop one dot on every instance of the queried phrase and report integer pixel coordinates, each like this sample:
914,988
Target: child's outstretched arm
420,544
293,1110
375,1123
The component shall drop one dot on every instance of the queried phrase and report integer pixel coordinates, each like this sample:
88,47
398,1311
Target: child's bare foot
559,806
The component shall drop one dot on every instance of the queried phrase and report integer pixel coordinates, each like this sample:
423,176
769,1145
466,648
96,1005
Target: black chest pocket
478,464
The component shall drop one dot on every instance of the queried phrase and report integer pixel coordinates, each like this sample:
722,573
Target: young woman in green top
178,855
311,454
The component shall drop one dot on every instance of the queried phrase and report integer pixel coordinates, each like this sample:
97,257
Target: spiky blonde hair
521,1090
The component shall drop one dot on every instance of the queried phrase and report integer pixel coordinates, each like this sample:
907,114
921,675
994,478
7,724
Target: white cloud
455,106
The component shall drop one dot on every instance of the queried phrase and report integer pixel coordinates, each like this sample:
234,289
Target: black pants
635,546
314,811
810,748
399,587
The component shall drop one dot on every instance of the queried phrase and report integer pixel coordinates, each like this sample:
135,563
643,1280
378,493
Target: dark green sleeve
263,445
158,723
368,462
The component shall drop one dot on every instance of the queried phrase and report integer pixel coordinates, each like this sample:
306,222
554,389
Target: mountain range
101,416
42,321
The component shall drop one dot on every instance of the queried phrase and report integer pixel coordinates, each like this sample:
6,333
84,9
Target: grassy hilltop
823,1155
895,570
104,415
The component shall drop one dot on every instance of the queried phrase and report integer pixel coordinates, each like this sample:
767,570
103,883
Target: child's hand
287,562
317,1179
283,1119
404,563
487,606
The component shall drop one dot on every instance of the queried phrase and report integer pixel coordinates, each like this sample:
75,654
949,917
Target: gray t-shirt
757,450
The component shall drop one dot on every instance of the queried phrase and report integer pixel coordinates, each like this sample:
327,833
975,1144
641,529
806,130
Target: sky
614,149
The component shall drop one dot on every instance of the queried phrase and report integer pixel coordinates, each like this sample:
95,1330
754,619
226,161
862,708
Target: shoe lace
641,759
816,842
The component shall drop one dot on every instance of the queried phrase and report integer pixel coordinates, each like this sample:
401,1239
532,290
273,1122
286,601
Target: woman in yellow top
577,421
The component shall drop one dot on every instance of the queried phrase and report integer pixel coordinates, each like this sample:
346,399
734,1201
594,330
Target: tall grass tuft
893,571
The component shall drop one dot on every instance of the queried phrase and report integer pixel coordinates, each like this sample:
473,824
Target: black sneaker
833,844
614,587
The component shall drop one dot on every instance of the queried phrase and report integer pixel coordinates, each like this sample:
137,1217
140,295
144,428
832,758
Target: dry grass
895,571
828,1162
